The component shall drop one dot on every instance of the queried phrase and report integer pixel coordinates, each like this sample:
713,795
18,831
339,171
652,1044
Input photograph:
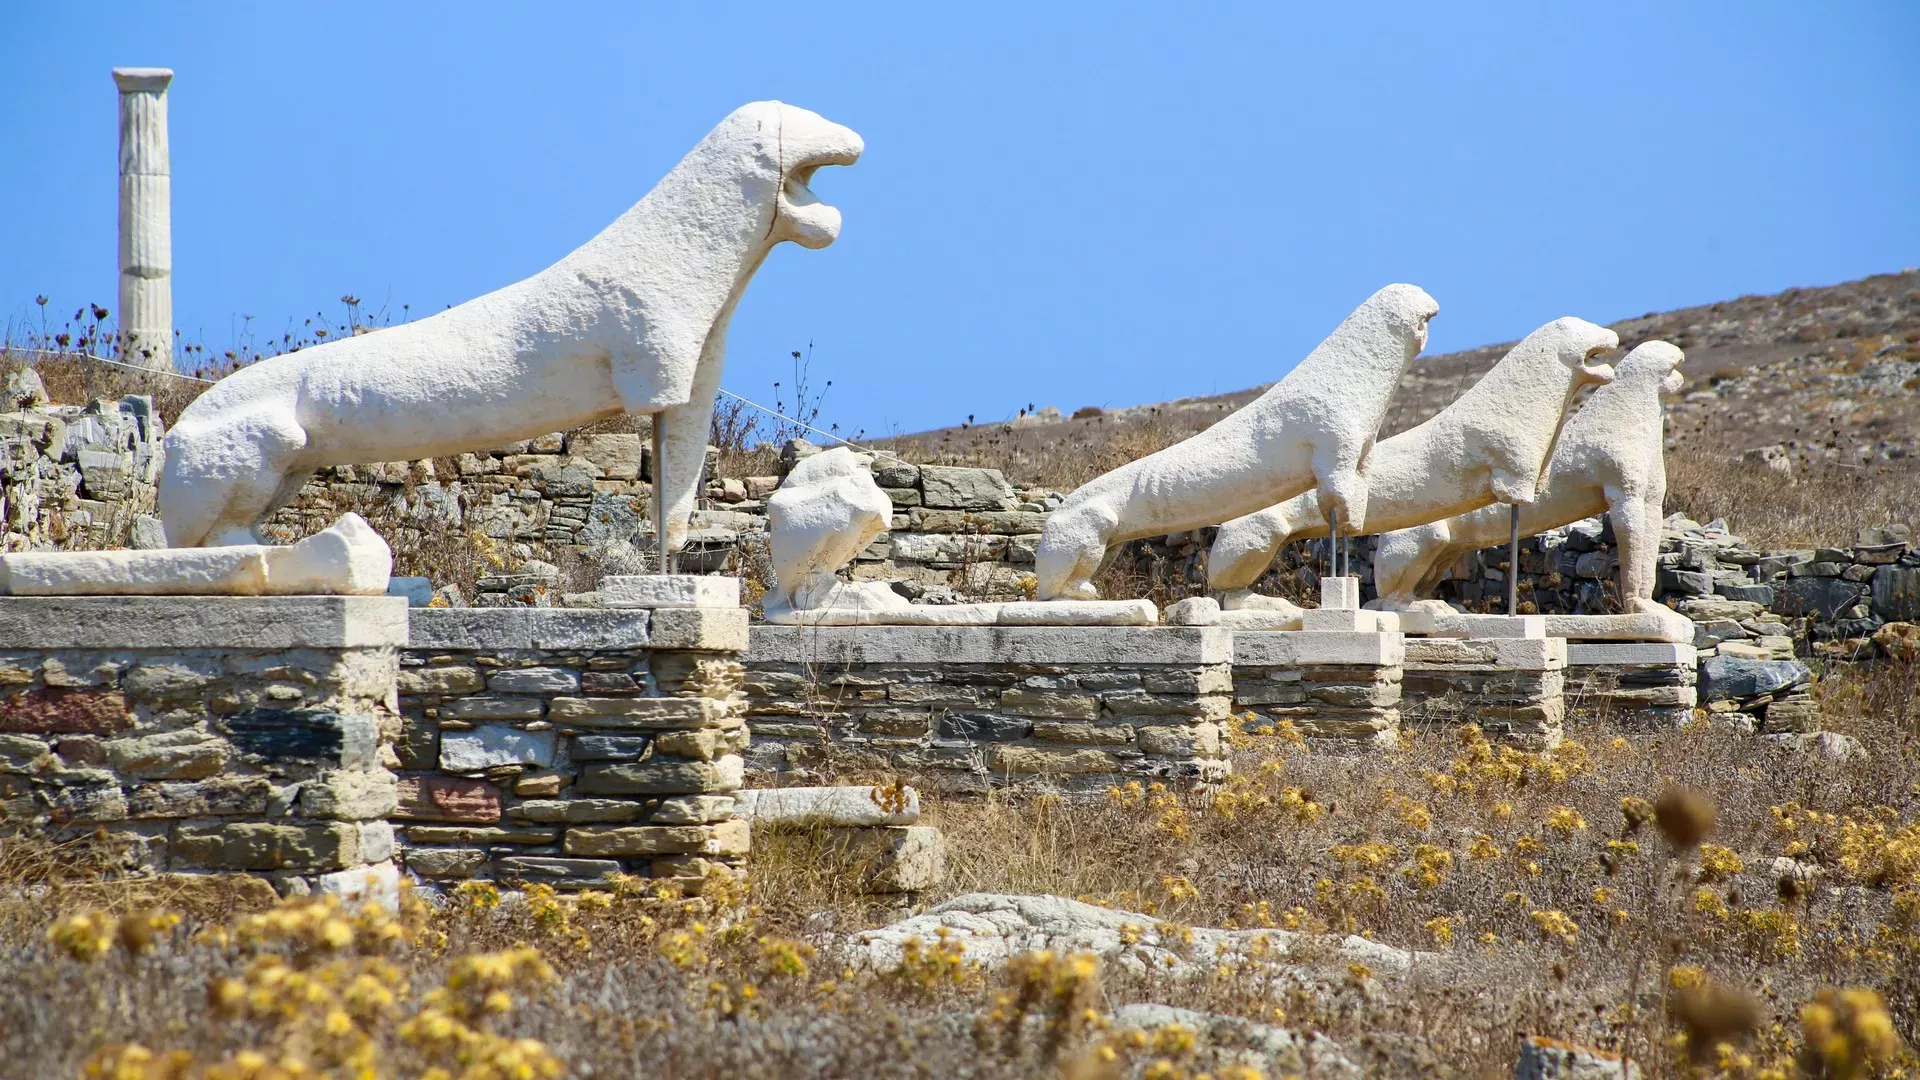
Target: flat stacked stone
206,735
567,747
1339,688
1637,685
1067,708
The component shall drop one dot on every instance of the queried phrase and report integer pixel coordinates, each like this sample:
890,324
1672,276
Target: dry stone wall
967,708
570,746
205,734
78,476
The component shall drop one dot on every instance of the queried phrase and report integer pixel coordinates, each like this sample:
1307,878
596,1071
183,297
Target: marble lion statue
634,321
1310,430
1609,459
1490,445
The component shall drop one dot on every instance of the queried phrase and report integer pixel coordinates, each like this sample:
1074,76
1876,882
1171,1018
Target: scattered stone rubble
992,928
870,835
77,476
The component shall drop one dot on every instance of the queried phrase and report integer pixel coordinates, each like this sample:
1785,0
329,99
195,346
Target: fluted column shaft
146,218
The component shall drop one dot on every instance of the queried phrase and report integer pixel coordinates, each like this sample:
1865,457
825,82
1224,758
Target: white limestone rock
992,928
852,806
1610,458
1488,446
1275,1051
1312,429
633,321
346,559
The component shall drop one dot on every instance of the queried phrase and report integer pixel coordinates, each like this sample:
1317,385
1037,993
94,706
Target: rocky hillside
1808,379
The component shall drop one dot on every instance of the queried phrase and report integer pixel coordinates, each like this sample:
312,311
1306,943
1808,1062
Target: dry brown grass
1549,903
1816,505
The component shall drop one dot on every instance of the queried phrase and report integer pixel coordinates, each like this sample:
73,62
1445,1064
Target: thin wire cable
116,363
806,426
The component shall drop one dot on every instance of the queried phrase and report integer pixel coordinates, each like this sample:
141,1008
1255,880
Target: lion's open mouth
813,223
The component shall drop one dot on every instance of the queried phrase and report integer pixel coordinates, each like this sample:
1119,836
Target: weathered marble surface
633,321
1488,446
1610,458
1312,429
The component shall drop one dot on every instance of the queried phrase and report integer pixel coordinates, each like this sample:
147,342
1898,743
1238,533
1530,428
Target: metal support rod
1333,544
1513,561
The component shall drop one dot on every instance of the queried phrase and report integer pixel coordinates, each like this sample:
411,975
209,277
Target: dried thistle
1685,817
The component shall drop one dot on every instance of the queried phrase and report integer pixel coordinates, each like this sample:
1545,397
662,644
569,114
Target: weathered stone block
446,798
222,796
939,695
958,488
664,777
1896,593
493,708
984,727
575,811
250,845
1052,704
1040,760
276,735
534,680
480,834
703,629
584,872
910,722
1732,678
608,747
61,710
701,809
1823,598
446,862
592,840
1081,731
633,712
608,682
441,680
703,744
172,681
188,754
485,747
1195,740
350,795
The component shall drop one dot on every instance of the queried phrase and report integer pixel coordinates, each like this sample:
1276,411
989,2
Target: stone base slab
201,622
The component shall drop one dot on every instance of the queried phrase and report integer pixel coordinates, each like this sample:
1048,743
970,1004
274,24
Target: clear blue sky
1068,205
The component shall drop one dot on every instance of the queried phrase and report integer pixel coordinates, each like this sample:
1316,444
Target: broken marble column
146,219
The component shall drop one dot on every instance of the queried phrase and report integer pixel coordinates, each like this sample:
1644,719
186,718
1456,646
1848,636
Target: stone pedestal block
1639,685
568,746
1340,689
1512,687
199,735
